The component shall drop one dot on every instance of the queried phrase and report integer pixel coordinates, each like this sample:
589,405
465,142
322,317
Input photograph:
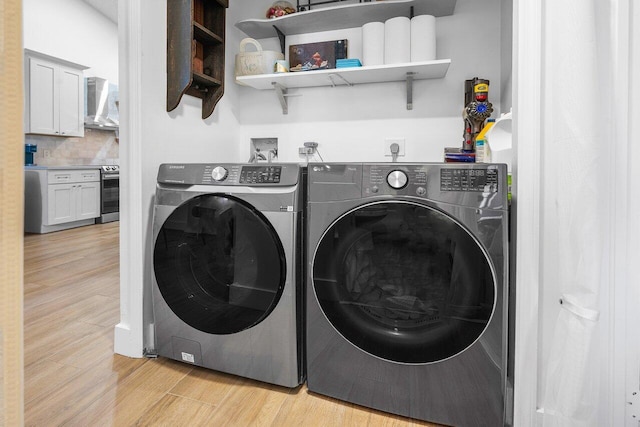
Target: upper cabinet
195,51
54,96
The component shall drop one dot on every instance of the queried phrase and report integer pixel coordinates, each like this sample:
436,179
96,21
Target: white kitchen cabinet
60,199
54,96
72,202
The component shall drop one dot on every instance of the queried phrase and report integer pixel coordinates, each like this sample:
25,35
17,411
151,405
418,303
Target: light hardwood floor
73,378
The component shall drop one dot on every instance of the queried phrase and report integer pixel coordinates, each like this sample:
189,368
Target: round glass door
219,264
403,282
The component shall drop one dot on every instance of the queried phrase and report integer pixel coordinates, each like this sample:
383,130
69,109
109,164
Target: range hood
101,104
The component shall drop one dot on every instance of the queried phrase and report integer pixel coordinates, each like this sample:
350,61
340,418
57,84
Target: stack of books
456,155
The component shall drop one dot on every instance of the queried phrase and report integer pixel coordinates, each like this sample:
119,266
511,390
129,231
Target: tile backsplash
98,147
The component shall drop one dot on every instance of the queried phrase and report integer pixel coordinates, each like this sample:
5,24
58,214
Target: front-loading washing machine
227,272
407,296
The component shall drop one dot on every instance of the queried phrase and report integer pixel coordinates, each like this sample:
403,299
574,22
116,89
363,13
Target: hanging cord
395,149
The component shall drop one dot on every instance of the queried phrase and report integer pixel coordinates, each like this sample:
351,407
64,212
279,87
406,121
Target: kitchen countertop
69,167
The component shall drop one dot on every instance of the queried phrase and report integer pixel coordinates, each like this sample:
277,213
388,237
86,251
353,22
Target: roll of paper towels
423,38
373,43
397,40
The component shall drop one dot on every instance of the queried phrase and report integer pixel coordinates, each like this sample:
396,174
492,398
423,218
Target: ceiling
108,8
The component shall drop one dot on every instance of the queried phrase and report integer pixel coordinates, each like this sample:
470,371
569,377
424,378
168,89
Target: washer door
219,264
404,282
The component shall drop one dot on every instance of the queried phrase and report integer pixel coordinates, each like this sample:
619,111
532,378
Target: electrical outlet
46,153
390,141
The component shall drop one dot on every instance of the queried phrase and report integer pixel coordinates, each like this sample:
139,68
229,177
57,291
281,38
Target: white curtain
576,98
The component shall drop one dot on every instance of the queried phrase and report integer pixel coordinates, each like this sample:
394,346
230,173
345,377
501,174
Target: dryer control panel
472,185
393,179
469,180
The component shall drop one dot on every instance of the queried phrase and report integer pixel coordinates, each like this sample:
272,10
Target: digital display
260,174
480,180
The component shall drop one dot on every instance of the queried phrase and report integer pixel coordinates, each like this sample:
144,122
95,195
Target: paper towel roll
397,40
423,38
373,43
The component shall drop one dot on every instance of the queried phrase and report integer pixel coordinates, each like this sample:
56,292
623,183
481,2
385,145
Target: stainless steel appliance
101,104
109,194
407,289
227,269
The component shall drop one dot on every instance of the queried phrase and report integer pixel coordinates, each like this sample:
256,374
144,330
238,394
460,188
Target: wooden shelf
204,80
195,51
202,34
341,17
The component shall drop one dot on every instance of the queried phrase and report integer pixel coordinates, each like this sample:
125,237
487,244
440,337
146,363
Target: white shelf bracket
410,91
333,83
283,94
281,91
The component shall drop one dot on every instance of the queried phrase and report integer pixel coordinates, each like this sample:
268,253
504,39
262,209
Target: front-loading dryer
407,289
227,272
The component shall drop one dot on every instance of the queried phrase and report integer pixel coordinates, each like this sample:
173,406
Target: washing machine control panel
229,174
260,174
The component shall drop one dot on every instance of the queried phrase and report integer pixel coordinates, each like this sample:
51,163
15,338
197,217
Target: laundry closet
348,123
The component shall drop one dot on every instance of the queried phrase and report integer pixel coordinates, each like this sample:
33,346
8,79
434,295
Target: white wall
506,55
74,31
351,123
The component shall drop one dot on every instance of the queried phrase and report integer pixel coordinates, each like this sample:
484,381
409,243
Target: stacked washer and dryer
406,281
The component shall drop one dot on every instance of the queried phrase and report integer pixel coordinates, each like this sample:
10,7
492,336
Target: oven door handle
110,176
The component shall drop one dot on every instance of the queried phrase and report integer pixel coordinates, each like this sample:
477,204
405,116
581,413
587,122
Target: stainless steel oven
109,194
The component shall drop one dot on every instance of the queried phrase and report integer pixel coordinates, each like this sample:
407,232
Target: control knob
397,179
219,173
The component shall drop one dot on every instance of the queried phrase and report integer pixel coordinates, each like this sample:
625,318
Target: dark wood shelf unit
202,34
195,51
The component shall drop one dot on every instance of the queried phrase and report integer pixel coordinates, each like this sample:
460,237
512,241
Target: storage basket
257,62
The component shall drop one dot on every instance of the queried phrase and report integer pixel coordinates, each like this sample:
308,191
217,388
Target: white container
256,62
423,38
397,40
499,142
373,43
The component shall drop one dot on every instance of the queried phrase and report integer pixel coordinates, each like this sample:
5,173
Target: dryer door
404,282
219,264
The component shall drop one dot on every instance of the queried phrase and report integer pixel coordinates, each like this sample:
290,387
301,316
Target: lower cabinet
60,199
73,202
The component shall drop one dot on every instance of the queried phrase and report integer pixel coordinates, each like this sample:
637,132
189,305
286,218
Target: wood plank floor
73,378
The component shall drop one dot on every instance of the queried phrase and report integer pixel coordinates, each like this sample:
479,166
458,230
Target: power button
421,191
